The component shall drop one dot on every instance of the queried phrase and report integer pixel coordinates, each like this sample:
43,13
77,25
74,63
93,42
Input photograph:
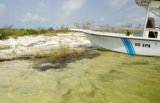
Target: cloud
117,4
2,8
135,18
35,0
102,19
132,19
28,17
71,6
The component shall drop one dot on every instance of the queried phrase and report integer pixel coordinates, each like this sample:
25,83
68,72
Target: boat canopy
153,5
146,2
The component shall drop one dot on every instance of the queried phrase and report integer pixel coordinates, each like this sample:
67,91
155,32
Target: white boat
126,44
148,44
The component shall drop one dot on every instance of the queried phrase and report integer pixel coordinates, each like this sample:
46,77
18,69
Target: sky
54,13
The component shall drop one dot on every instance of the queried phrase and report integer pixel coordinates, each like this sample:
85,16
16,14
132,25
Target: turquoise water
109,78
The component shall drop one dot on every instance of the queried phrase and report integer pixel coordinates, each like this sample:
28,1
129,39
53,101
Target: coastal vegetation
11,32
65,54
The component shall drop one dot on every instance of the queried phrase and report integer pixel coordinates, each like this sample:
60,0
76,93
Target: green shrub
3,36
60,54
31,31
5,33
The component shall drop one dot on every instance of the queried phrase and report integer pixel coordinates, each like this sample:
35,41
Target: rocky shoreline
31,45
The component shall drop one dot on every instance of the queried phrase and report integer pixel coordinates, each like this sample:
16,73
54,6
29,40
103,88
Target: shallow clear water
109,78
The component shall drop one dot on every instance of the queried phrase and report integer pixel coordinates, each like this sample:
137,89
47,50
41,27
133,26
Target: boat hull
124,44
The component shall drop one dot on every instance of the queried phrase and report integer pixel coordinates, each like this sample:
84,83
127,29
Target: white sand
30,45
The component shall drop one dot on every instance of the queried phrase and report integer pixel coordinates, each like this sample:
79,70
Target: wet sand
109,78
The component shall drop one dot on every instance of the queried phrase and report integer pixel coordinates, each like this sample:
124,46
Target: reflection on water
109,78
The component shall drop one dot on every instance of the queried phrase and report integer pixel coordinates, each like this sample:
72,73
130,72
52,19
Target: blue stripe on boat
125,45
128,45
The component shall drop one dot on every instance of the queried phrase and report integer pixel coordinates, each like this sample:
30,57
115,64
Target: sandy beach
32,45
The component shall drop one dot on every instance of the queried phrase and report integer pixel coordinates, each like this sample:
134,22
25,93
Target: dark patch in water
44,65
66,96
156,68
112,75
105,78
67,93
90,93
44,68
137,63
50,66
114,71
4,86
